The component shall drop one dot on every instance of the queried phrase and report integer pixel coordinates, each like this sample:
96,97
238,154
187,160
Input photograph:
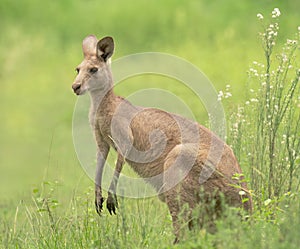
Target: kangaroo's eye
93,70
77,70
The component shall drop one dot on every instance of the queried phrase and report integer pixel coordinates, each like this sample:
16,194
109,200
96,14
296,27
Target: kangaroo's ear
89,45
105,48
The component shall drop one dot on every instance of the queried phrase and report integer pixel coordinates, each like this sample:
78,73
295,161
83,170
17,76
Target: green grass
45,222
40,45
44,226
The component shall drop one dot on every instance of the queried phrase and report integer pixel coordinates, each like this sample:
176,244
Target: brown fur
158,145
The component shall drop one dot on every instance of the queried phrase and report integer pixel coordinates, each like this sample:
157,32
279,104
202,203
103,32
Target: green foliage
139,224
40,47
271,118
42,223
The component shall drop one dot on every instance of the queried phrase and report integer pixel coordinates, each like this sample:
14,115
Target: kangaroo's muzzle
76,88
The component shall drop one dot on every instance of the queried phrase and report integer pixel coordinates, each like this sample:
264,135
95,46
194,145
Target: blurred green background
40,45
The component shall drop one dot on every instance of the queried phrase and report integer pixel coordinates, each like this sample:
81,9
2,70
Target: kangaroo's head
94,71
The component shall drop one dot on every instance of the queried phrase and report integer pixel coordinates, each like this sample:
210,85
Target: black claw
176,241
99,205
112,204
111,208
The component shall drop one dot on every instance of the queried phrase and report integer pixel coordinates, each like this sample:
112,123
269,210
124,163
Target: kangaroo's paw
99,200
112,203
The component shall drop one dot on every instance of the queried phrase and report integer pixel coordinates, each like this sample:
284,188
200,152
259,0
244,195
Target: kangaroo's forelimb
112,201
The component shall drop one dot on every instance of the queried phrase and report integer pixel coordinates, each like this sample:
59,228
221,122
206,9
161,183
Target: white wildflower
228,95
254,70
267,202
235,125
241,193
276,13
260,16
291,42
220,95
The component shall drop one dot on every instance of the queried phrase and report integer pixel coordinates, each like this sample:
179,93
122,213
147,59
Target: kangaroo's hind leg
180,193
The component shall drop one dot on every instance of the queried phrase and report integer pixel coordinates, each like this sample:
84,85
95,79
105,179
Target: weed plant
266,129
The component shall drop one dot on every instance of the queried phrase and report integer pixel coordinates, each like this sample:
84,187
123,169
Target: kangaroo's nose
76,87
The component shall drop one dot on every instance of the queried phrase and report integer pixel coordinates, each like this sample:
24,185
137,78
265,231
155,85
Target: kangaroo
185,162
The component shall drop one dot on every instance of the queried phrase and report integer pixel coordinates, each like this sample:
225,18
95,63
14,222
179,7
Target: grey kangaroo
186,163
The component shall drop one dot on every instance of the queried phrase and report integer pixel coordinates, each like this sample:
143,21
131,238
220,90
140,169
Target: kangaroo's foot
176,241
99,200
112,203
